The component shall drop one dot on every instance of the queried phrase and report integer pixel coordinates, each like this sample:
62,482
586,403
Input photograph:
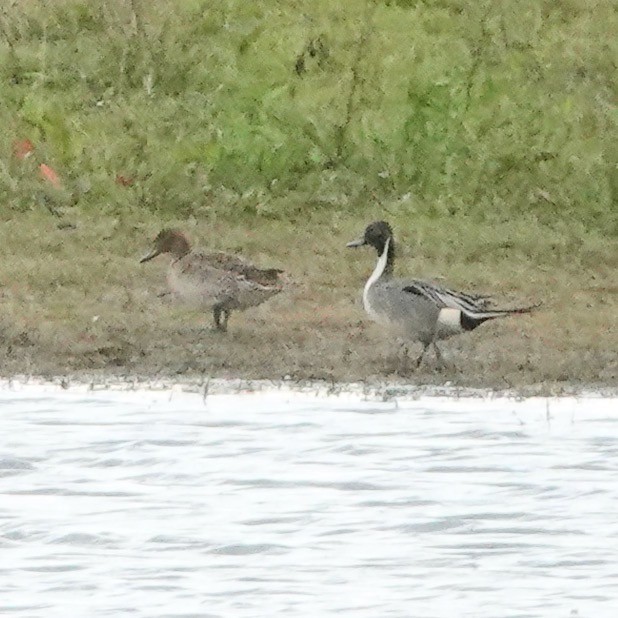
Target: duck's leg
217,310
419,360
402,359
439,357
226,316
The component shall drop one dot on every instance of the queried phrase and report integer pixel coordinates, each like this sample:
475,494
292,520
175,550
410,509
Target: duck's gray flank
217,281
419,310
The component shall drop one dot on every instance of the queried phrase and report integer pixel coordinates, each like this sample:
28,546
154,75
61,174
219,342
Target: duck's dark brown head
376,234
168,241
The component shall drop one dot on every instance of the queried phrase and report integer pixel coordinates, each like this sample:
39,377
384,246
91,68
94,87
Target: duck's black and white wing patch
421,288
444,297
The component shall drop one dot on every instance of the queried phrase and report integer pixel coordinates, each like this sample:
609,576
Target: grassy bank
76,301
485,133
490,110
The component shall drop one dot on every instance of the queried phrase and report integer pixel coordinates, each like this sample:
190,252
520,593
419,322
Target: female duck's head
376,234
168,241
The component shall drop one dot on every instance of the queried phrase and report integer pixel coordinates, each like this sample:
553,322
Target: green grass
489,110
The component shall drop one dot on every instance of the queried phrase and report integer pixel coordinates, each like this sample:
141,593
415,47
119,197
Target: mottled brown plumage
215,280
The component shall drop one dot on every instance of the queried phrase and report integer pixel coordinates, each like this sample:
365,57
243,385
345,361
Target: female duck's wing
243,268
198,272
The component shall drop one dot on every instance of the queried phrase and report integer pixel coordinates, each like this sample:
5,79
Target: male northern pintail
216,281
419,310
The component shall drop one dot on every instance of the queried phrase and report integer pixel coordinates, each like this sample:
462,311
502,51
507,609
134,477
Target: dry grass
76,301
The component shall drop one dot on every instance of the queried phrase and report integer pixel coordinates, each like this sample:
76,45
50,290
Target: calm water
151,504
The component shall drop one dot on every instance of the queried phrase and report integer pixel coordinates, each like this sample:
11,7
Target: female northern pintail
217,280
419,310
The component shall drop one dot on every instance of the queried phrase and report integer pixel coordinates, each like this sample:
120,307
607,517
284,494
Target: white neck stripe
375,275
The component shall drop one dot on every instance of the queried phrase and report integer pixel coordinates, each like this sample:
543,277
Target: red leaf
124,181
47,173
22,148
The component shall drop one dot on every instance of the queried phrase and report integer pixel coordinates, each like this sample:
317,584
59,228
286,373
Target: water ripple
159,504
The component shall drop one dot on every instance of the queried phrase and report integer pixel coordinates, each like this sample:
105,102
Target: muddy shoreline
167,345
379,391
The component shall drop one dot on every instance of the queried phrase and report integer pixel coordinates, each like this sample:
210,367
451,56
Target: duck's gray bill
149,256
356,243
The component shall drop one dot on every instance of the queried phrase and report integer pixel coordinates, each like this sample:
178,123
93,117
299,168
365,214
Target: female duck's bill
217,281
151,254
419,310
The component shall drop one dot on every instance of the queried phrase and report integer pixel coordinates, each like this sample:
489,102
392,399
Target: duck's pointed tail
470,320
